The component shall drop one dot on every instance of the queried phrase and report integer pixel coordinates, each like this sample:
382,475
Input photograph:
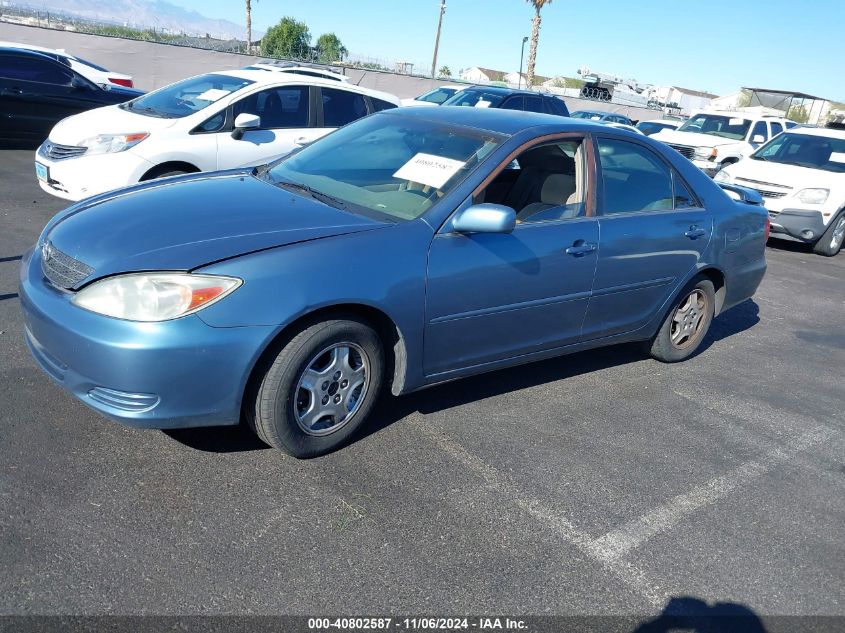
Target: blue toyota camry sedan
412,247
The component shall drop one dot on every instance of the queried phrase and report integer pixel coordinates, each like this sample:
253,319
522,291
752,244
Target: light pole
437,40
521,55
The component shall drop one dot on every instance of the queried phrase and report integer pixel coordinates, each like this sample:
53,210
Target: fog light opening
807,234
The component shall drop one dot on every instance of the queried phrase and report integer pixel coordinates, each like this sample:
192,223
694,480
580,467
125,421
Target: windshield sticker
837,157
428,169
483,104
736,122
212,94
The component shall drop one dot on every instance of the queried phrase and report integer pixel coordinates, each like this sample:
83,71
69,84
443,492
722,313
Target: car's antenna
358,83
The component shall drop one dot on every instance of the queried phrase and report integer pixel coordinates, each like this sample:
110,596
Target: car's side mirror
742,194
485,218
243,122
77,83
758,138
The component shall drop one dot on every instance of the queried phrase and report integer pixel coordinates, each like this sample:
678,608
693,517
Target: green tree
798,113
444,72
288,39
330,49
535,37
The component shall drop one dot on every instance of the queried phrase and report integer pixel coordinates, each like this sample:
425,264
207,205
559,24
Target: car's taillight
122,82
768,227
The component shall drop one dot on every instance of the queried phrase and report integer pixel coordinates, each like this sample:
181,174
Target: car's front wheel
687,323
831,240
319,389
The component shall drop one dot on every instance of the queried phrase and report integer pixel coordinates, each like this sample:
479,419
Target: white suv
220,120
713,140
801,176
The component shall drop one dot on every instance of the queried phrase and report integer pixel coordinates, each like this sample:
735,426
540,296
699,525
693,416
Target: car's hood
185,222
106,120
693,139
794,176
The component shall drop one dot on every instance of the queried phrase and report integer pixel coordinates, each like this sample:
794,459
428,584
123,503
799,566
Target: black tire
670,349
274,410
830,243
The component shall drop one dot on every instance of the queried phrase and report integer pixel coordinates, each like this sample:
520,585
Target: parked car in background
508,99
36,92
308,70
208,122
801,176
658,125
434,97
91,71
713,140
622,126
602,117
412,247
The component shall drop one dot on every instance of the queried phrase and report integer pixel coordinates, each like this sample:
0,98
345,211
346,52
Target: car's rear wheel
319,389
831,240
687,323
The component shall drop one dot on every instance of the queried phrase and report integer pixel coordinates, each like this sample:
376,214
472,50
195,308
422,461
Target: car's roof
265,78
601,112
38,49
818,131
669,121
505,91
44,54
501,121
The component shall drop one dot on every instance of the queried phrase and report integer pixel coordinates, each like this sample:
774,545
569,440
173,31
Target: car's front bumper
797,225
84,176
174,374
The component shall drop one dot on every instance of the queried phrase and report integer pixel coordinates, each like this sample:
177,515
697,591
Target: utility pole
437,40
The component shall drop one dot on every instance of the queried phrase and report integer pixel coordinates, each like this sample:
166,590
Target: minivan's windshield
475,97
186,97
804,150
386,164
735,128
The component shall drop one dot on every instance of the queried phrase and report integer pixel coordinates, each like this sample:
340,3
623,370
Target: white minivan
801,176
220,120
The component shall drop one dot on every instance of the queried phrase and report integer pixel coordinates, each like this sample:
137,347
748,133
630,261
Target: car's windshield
804,150
438,95
583,114
476,98
186,97
652,127
718,125
386,164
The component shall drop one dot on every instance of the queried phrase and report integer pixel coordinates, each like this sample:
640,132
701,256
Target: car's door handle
695,232
580,248
16,92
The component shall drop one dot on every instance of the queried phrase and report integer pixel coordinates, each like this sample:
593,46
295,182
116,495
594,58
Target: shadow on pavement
15,258
694,615
392,409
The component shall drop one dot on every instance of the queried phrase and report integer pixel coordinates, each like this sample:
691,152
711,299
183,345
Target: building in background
479,75
683,99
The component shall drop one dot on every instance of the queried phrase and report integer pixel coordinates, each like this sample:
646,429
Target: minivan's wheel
831,240
687,323
319,389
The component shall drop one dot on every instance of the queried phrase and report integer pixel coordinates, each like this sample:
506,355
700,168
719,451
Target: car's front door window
278,108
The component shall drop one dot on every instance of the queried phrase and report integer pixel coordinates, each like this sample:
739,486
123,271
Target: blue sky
717,45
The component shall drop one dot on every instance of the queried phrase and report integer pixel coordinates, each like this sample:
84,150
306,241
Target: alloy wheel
689,319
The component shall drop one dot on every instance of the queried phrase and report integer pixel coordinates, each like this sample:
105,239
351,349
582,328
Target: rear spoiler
743,194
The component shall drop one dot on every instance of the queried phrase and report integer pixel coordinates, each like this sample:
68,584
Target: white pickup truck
713,140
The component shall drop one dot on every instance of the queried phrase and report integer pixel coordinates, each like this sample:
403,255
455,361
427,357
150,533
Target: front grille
63,271
686,152
770,194
762,182
54,151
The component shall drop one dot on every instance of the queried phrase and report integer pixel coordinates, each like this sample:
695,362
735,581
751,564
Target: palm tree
535,37
248,26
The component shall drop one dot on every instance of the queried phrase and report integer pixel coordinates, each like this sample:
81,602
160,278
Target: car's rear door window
633,178
27,68
533,104
341,107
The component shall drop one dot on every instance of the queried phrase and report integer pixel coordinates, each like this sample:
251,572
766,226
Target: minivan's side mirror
485,218
243,122
758,138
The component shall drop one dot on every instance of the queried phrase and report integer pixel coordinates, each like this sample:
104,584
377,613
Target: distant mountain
158,14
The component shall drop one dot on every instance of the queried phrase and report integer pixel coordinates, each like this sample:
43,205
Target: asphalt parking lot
600,483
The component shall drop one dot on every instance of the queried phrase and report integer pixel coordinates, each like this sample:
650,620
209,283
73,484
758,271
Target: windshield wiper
145,109
317,195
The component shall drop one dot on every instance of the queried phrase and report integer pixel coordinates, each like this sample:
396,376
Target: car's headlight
813,196
722,176
152,297
110,143
705,152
